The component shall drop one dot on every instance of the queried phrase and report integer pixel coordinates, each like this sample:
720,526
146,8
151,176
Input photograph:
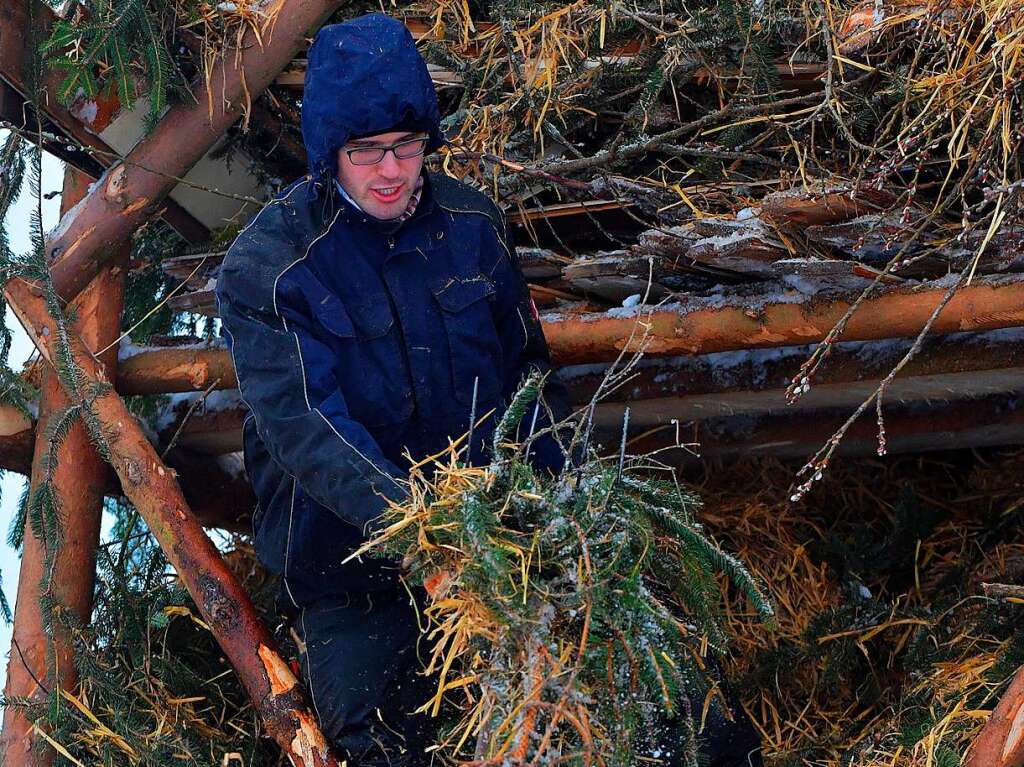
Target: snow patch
630,301
128,349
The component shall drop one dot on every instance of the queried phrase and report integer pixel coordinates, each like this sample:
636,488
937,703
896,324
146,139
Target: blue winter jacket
357,342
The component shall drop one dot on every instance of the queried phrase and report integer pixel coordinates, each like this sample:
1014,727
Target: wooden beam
131,192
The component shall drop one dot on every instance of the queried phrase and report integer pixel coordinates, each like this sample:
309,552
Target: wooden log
162,370
803,208
921,414
152,488
127,195
686,328
986,422
615,276
217,491
725,323
43,653
719,380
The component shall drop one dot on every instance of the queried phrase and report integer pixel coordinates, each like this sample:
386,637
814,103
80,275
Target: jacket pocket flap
456,293
330,313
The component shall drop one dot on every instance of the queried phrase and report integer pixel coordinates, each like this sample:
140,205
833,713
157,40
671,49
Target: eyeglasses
403,150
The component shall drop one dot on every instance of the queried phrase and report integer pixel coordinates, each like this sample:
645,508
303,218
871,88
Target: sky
17,224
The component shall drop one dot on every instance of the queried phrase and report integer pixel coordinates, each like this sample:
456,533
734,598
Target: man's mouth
387,194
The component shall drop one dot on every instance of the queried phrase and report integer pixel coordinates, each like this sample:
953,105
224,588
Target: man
367,310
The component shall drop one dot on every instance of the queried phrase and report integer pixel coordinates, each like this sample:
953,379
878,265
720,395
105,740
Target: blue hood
364,76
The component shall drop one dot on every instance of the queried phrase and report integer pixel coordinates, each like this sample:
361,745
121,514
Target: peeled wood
161,370
1001,742
127,196
223,603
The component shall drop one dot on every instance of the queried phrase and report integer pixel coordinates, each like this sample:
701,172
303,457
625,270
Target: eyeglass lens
403,150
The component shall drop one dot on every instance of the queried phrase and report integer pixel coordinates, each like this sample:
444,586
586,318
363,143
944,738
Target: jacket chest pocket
473,345
369,364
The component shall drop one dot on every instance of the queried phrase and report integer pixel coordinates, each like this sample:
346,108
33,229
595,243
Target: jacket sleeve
285,377
525,349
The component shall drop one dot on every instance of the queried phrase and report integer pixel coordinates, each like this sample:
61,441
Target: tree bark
130,193
1001,742
224,605
80,479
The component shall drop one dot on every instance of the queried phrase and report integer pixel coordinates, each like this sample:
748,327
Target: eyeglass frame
393,148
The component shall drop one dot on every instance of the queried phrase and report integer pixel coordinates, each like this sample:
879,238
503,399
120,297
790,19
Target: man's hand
436,582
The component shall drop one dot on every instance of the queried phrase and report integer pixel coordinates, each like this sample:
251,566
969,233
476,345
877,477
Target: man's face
383,188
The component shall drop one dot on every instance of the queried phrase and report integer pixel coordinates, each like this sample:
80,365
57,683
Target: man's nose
389,165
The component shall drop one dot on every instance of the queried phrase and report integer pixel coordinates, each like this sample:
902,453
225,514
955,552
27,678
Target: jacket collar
353,215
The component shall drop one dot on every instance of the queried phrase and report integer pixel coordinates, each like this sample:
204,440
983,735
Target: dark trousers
365,679
362,669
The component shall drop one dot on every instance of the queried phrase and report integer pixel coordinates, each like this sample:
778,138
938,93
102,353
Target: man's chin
386,211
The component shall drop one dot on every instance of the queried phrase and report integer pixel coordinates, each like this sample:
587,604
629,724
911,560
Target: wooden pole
41,658
130,193
695,327
152,487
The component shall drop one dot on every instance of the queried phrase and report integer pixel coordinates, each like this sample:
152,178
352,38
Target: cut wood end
281,677
13,421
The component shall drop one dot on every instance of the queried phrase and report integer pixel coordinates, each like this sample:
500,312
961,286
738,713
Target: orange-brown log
1001,741
130,193
152,487
679,329
695,327
161,370
40,653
